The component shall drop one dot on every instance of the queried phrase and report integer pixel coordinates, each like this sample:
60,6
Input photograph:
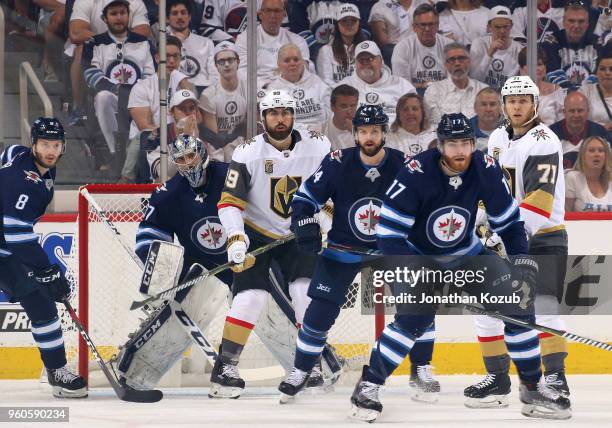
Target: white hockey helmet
521,85
275,98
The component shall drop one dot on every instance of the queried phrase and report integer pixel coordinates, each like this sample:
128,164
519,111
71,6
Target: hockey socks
389,351
422,351
309,345
50,342
524,349
235,335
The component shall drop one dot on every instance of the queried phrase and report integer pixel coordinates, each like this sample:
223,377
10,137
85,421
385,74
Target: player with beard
355,179
255,209
26,273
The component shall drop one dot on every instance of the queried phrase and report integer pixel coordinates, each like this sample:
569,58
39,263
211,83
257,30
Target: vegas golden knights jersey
534,168
262,180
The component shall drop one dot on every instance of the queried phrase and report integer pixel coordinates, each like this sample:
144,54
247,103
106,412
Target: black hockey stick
214,271
562,333
285,305
348,249
125,394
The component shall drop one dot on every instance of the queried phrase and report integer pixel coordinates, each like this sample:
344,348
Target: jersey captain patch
209,235
282,190
447,225
363,216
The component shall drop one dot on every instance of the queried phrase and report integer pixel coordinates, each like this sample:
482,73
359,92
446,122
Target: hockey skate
66,384
365,403
225,381
543,401
295,382
490,393
423,387
316,379
558,382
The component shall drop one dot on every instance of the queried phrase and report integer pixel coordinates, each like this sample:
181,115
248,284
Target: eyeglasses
225,61
426,24
457,59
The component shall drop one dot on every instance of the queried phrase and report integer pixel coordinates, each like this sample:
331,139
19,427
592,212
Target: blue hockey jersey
427,212
25,195
357,191
176,209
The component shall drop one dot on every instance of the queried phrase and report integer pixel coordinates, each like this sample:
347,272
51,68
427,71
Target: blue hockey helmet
182,153
454,126
47,128
371,114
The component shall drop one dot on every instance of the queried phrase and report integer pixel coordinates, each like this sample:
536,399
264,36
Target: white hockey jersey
222,19
262,180
534,167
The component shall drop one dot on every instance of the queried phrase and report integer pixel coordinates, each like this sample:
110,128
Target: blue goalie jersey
357,191
25,195
428,212
176,209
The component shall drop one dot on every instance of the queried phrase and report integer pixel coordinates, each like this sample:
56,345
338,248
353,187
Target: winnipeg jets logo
413,165
209,235
539,134
363,216
447,226
336,155
33,177
489,161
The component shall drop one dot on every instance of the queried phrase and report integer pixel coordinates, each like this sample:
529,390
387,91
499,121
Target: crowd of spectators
418,58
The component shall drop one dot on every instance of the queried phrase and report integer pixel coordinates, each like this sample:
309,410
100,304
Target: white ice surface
591,403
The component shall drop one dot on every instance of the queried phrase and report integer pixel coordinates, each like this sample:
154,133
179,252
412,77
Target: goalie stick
123,393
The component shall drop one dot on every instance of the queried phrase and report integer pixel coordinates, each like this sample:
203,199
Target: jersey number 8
22,200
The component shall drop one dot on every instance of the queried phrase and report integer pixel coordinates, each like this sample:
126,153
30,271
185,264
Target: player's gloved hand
236,252
307,234
54,282
524,279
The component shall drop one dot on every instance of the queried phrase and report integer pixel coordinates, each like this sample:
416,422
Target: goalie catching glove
54,282
237,252
524,279
307,234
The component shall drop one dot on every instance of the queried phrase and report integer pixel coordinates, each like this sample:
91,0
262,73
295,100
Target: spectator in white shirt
411,132
456,93
374,81
464,20
270,37
310,93
339,128
419,57
494,57
587,186
336,60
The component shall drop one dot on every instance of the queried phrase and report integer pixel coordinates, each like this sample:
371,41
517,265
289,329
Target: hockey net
108,279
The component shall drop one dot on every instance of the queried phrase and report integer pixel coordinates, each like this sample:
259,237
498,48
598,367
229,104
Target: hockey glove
307,234
54,282
524,279
236,252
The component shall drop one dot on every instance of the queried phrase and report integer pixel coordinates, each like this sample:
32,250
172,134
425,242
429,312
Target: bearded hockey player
355,179
27,276
438,186
185,206
531,156
255,208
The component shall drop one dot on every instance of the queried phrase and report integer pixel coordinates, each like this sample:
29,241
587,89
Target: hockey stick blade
562,333
125,394
170,291
353,250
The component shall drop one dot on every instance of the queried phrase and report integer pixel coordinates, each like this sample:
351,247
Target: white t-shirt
339,138
465,26
598,111
329,69
550,109
408,143
576,187
417,63
312,99
145,93
398,19
495,70
91,11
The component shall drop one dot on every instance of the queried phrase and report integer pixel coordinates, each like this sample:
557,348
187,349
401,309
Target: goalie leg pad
162,340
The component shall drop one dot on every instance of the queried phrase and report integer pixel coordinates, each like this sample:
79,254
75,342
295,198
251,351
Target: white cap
348,10
181,96
499,12
225,46
369,47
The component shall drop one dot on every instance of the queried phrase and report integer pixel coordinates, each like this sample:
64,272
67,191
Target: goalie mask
189,155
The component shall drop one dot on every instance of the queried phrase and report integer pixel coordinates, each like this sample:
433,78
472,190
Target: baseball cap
109,3
348,10
225,46
369,47
500,12
181,96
